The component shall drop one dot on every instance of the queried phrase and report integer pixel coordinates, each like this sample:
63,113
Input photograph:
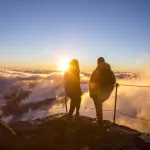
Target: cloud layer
33,92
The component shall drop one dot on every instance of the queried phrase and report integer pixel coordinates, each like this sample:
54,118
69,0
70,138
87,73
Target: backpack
102,81
107,79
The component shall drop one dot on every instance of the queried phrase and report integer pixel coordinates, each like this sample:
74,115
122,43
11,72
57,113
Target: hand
116,84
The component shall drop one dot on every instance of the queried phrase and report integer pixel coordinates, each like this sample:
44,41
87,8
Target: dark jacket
72,83
102,81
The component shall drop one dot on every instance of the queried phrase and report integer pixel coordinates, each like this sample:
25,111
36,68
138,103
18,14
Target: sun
63,64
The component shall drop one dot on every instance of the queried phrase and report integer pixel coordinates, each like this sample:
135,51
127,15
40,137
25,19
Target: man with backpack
101,85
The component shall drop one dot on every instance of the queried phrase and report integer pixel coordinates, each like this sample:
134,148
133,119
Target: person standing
101,85
72,87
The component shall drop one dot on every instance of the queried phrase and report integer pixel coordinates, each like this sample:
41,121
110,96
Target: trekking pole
115,102
66,104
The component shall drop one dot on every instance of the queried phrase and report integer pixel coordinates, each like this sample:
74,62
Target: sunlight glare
64,64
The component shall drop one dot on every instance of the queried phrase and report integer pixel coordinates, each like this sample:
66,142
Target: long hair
74,66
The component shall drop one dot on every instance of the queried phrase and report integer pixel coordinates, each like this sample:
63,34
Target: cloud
131,100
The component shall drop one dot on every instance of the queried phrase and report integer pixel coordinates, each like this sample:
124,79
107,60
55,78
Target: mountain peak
57,133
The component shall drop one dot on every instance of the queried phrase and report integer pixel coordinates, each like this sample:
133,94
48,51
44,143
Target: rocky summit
57,133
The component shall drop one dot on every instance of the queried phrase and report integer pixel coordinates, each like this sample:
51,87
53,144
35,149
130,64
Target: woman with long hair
72,87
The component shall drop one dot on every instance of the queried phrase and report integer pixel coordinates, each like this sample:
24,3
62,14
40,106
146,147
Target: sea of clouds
27,89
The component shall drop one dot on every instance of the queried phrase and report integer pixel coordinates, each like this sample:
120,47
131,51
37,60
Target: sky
38,33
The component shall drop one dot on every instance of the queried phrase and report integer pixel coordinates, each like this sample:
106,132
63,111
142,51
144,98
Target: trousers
74,104
98,102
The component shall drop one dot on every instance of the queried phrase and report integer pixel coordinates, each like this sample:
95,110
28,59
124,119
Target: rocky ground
57,133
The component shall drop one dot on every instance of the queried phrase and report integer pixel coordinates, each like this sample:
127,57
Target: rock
86,148
57,133
145,137
23,127
70,133
43,140
8,138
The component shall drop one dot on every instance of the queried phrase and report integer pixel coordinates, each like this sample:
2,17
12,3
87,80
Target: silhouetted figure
100,87
72,87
